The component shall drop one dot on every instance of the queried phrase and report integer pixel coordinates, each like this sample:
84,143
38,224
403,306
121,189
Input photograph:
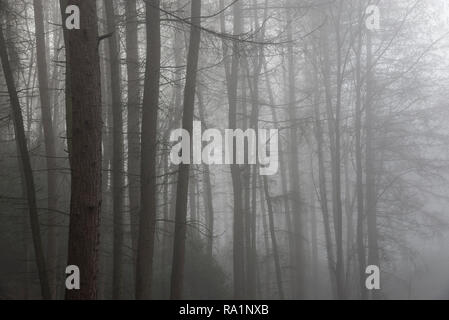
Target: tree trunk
277,264
282,169
373,249
117,152
68,86
132,62
26,167
231,73
359,169
177,274
298,234
49,139
147,219
207,188
318,130
336,167
85,204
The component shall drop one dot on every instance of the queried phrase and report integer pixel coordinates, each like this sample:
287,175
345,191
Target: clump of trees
85,122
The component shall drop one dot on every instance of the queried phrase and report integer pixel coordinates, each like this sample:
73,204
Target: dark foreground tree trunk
26,167
85,201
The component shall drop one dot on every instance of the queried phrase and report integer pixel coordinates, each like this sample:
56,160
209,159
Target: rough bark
85,204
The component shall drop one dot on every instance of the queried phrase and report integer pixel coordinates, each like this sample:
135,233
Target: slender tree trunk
314,244
277,264
117,152
68,86
336,167
177,275
251,182
207,187
26,167
282,169
373,249
266,241
49,138
231,72
359,170
299,249
147,219
322,180
132,61
349,212
85,205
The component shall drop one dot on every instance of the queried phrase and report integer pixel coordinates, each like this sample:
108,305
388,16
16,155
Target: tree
147,219
49,137
117,151
298,233
373,250
26,168
232,77
177,277
85,203
132,62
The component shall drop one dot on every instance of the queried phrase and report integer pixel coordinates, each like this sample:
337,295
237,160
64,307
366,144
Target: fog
224,149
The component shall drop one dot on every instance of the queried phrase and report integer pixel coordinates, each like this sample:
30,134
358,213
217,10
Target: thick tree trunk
147,219
26,167
177,274
85,205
